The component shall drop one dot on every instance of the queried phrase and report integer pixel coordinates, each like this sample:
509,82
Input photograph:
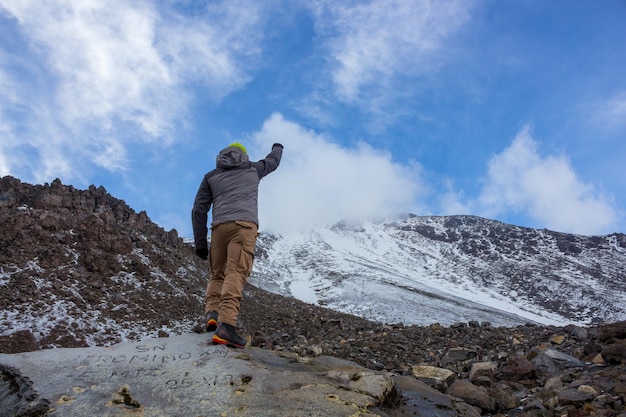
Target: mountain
445,269
81,268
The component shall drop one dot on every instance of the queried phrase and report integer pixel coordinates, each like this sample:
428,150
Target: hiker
232,190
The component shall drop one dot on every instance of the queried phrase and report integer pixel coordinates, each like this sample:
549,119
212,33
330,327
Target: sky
513,110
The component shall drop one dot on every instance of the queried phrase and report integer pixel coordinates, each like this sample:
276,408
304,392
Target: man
232,189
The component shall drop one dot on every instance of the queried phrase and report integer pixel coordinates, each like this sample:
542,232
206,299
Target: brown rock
598,359
553,383
615,353
516,369
429,402
480,369
574,397
459,354
619,389
472,394
438,378
505,396
612,331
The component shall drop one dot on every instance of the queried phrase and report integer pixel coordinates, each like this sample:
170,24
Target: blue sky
511,110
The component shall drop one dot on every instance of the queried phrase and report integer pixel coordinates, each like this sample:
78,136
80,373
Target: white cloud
547,189
111,155
100,76
219,49
452,202
6,127
373,42
611,112
319,181
102,58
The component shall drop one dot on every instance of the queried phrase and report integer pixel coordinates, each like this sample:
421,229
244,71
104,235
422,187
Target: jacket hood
230,157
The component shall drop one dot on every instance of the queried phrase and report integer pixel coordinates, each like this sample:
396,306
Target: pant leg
217,268
239,261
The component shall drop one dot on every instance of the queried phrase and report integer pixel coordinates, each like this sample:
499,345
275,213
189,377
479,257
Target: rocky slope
527,370
79,268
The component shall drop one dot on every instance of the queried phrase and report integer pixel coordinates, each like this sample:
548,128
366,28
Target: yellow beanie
240,146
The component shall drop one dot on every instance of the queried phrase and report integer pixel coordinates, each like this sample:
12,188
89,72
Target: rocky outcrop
81,268
185,376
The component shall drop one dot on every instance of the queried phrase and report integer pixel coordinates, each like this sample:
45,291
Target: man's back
232,189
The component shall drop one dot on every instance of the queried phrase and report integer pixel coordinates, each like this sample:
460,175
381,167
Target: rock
472,394
458,357
516,369
548,397
577,333
534,407
588,389
438,378
427,401
373,384
598,359
574,397
185,375
19,341
480,369
612,331
459,354
553,383
615,353
505,396
550,360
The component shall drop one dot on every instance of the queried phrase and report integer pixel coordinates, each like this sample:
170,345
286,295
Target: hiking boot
211,321
225,334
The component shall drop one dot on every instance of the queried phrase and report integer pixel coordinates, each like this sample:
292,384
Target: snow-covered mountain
81,268
422,270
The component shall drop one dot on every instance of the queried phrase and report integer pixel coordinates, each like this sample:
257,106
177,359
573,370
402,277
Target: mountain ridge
537,275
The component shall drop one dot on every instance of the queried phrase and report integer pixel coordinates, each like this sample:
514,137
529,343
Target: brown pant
231,258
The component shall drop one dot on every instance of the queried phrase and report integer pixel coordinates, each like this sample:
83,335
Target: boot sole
211,325
219,341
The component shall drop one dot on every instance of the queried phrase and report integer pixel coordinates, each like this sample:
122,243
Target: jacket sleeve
199,214
270,163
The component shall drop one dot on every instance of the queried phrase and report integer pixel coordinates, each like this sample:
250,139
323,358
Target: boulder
612,331
438,378
550,360
615,353
472,394
185,375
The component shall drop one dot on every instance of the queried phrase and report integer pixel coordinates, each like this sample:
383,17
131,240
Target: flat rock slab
186,376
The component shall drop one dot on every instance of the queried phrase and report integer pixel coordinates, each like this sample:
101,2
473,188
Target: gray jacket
232,189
